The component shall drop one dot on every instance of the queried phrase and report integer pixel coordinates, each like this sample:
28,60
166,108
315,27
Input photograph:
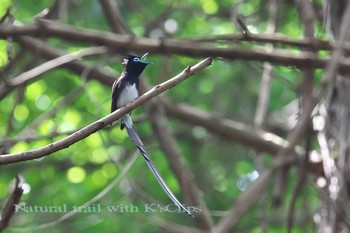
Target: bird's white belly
127,95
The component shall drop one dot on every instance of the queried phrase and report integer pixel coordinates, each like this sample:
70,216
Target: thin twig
54,63
5,16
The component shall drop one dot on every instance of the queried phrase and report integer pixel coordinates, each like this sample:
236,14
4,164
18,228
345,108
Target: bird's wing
118,85
126,120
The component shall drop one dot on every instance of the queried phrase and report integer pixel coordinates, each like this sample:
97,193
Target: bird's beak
143,58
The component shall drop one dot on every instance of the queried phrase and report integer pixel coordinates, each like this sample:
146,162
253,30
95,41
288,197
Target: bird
125,89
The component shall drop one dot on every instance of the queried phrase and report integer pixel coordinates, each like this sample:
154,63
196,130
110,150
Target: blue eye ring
136,59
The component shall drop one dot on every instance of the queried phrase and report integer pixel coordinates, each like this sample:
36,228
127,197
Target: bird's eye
136,59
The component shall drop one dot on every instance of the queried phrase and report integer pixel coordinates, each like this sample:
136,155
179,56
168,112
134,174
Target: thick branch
52,29
99,124
124,44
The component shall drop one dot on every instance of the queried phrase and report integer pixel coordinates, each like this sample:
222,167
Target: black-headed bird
125,90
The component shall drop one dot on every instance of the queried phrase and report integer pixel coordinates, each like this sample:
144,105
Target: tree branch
307,16
233,130
99,124
113,16
54,63
124,44
14,199
49,28
169,145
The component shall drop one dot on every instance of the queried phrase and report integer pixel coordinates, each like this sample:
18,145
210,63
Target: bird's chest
127,95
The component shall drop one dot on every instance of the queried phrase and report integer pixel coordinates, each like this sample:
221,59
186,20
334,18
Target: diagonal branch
169,145
54,63
113,17
233,130
14,199
99,124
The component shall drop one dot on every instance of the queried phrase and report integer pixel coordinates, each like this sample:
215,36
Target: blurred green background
221,169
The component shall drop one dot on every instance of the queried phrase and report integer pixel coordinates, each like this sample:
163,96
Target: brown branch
126,43
316,44
113,17
5,16
99,124
13,200
337,55
307,103
307,16
169,145
235,131
301,179
259,140
105,38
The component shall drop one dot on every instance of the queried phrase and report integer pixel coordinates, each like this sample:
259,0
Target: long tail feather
161,181
137,141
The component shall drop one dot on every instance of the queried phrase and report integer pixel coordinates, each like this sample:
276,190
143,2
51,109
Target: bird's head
134,64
